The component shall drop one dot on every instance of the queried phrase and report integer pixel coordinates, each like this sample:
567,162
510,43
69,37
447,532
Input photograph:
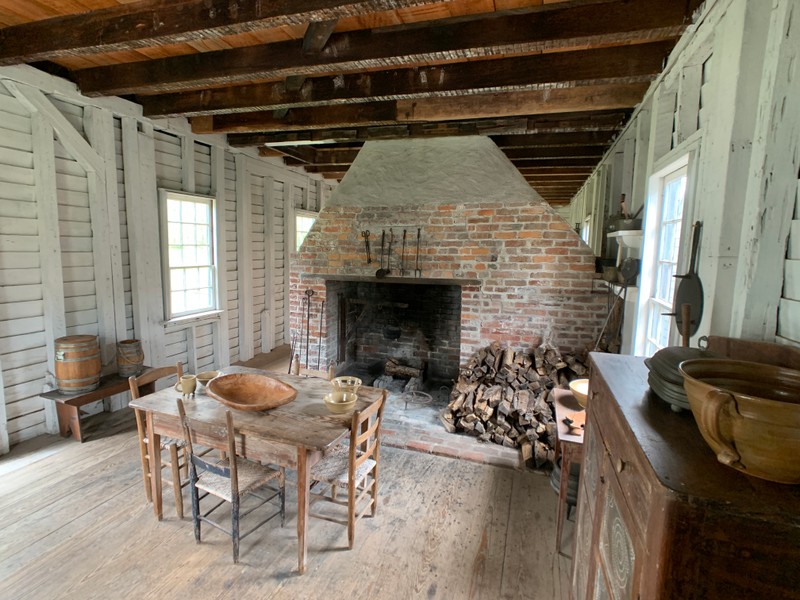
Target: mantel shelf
405,280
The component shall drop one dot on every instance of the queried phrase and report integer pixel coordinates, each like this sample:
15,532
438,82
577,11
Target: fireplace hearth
415,325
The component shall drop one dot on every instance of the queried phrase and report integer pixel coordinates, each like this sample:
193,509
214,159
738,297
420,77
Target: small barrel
130,357
77,364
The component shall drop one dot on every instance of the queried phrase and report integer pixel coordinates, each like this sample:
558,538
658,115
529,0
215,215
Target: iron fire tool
300,345
365,234
403,256
291,354
382,272
309,293
319,339
417,270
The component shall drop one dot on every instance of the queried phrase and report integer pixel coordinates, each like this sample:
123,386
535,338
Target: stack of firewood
502,396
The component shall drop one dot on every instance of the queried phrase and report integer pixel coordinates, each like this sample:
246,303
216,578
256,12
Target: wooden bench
68,405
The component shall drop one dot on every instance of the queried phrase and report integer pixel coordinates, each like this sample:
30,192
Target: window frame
686,156
165,194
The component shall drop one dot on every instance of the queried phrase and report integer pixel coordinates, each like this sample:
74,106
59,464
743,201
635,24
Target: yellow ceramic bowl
346,383
580,389
340,402
207,376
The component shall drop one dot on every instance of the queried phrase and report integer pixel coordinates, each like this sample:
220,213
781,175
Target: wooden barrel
77,364
130,357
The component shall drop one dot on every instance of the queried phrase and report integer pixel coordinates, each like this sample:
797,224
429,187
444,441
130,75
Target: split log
395,369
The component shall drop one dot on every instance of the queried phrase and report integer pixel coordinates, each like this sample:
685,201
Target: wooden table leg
303,484
154,450
563,486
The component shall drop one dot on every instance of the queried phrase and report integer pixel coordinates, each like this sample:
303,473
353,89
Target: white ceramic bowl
580,389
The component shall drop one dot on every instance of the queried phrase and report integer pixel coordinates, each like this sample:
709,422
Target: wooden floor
75,525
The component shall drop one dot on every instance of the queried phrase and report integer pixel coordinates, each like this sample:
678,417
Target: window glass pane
304,225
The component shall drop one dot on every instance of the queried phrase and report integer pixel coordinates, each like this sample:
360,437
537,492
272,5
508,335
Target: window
187,224
586,230
665,244
304,221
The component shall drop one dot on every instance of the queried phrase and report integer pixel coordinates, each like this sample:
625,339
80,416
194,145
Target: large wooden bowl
250,391
749,413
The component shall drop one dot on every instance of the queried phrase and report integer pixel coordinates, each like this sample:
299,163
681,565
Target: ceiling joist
154,23
573,27
479,106
625,64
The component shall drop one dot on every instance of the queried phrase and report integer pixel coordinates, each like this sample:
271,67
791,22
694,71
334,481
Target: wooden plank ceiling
550,81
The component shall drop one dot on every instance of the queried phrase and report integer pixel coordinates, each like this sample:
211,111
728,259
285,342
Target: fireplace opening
413,328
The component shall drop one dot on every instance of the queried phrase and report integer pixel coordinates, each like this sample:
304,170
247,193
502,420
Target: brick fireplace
496,261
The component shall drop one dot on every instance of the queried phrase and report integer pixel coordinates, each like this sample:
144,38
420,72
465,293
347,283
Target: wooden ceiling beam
155,23
611,121
479,106
573,27
339,170
559,170
537,140
555,152
555,162
624,64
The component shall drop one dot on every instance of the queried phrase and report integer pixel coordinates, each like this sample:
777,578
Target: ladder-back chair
177,461
354,467
229,480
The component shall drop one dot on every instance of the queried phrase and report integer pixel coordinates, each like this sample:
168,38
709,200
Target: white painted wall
729,98
78,245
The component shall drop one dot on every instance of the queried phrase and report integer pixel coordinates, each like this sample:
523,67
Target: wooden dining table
295,435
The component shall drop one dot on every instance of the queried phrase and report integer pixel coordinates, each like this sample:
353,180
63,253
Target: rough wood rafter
625,64
600,97
590,121
560,28
156,22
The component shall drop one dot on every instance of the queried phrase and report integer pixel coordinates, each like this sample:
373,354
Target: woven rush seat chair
229,480
177,455
353,467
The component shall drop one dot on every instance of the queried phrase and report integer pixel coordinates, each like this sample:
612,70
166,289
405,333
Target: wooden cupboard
659,517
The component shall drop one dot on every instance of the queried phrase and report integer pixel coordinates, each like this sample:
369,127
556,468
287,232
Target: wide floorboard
75,524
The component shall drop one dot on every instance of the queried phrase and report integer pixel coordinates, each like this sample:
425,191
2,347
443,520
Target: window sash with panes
190,281
672,193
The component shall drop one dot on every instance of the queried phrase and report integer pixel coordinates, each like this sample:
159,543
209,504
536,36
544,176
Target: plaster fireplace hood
509,265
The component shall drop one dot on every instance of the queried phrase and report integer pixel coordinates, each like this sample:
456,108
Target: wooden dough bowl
250,391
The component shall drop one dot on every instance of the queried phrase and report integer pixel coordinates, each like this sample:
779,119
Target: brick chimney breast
522,270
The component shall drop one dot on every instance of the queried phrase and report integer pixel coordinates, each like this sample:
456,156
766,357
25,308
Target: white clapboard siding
176,346
22,339
789,307
72,112
168,160
204,347
230,280
123,228
202,168
257,254
75,227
